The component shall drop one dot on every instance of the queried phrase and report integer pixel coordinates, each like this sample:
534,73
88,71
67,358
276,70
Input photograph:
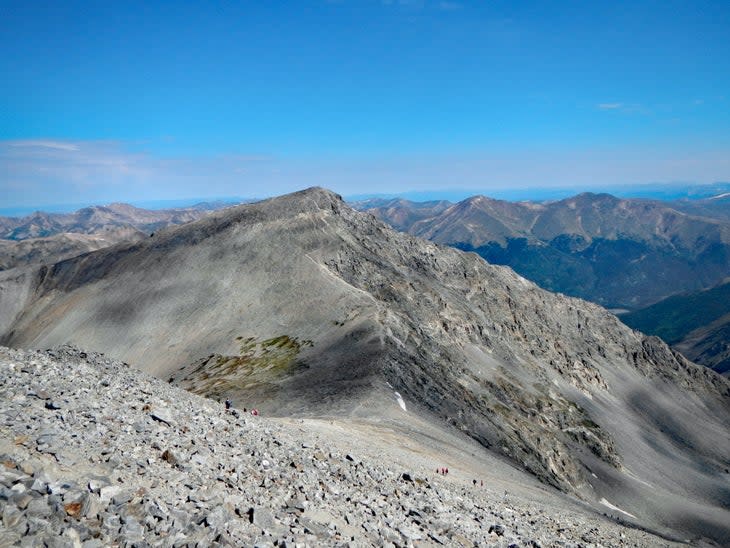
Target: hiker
229,404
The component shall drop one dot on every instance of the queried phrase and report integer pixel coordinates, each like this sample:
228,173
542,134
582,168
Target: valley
619,253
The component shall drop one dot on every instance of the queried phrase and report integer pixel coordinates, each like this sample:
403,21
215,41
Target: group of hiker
229,406
445,471
441,470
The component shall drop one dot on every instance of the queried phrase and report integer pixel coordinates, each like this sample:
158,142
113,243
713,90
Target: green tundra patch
258,365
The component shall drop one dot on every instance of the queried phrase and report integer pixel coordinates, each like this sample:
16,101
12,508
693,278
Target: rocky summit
300,306
95,453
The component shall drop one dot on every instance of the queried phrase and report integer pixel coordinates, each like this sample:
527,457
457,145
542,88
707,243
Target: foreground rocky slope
95,454
301,306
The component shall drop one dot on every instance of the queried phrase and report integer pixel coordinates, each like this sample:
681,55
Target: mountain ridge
94,219
617,252
349,312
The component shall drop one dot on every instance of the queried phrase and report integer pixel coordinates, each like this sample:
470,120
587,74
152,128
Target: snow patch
400,401
616,508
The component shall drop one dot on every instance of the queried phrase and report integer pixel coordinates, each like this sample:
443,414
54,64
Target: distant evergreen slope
675,317
697,324
617,253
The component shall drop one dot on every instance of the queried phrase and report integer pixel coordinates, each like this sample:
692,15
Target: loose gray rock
234,482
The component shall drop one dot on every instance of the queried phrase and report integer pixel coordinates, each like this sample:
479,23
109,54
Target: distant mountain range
49,237
622,254
94,219
665,192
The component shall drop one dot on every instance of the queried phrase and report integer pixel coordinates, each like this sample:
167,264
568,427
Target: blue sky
105,101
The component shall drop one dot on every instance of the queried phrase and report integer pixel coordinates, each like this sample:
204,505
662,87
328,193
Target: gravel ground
95,453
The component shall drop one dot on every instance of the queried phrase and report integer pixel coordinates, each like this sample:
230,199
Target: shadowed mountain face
301,305
697,324
618,253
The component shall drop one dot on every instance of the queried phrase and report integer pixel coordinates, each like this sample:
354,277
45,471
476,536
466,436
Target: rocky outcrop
96,454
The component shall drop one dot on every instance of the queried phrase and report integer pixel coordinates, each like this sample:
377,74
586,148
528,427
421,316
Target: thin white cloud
55,145
102,171
105,171
610,106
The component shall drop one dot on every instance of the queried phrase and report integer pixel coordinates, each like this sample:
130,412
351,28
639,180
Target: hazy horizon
651,191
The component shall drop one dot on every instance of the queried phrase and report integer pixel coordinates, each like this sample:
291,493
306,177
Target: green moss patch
258,364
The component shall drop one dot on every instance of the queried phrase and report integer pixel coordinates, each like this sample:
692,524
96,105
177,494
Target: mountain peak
307,200
315,192
300,305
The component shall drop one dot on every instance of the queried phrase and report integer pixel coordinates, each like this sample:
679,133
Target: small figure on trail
229,403
255,412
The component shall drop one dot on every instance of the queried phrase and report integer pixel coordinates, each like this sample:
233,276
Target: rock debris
94,453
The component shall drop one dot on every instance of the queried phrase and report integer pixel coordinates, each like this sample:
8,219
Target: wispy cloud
56,145
40,171
625,108
32,174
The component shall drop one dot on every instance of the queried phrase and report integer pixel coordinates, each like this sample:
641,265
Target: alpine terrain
696,323
51,237
620,253
301,306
